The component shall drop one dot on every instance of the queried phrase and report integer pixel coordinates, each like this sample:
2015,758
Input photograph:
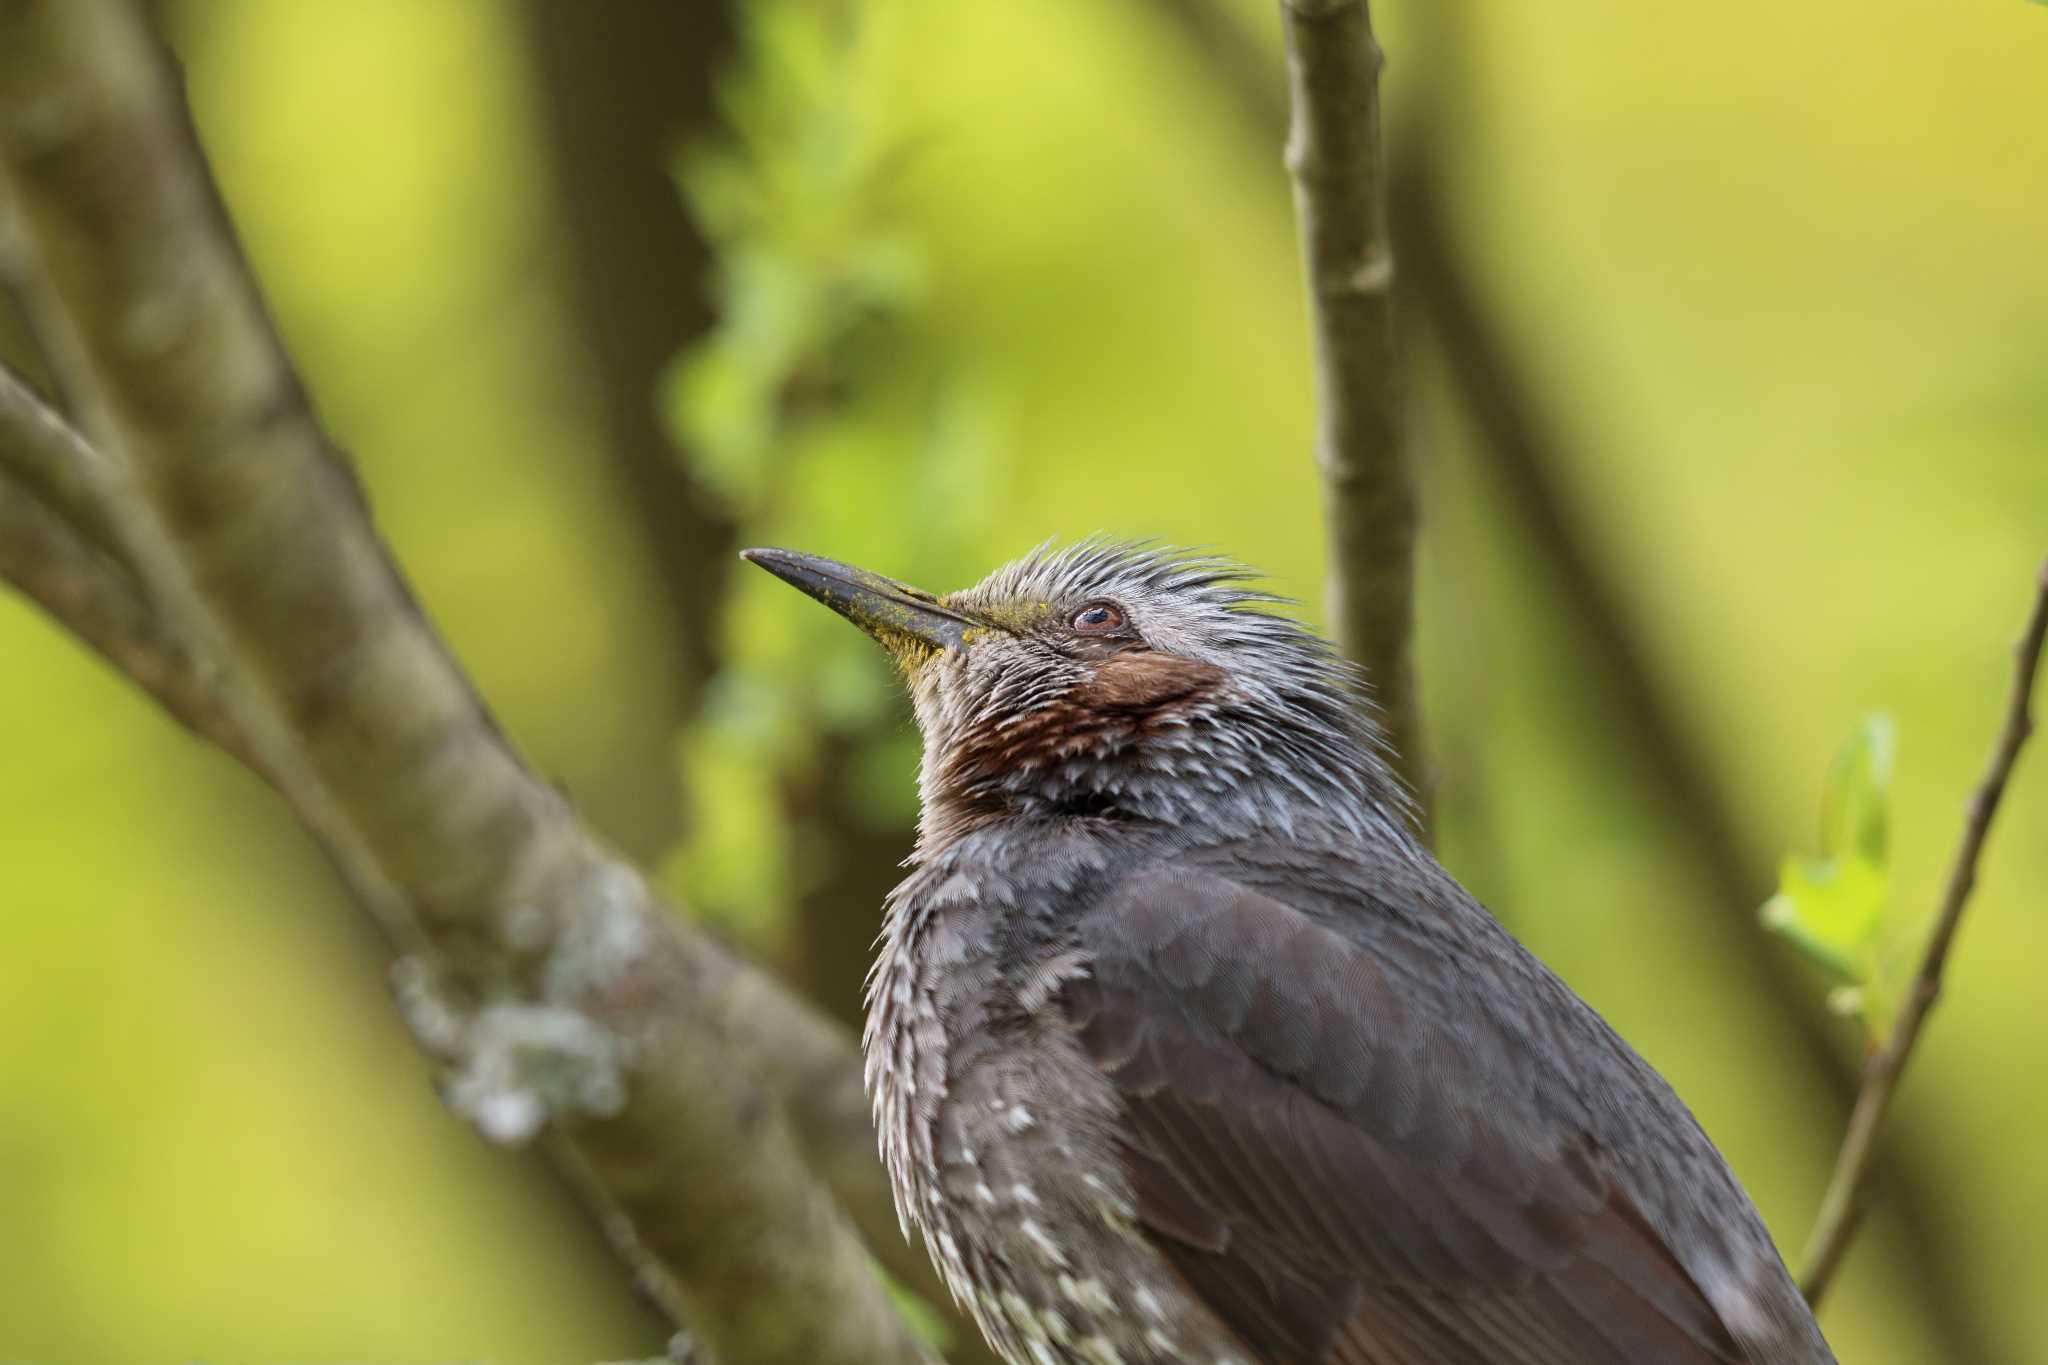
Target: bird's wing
1343,1172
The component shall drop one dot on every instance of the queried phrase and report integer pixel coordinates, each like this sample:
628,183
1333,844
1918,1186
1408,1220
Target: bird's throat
1086,752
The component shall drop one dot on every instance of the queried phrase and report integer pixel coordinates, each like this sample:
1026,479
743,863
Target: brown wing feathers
1328,1176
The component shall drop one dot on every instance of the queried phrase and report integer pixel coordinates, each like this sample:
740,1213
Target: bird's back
1303,1087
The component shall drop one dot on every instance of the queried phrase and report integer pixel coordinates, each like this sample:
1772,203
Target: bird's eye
1098,618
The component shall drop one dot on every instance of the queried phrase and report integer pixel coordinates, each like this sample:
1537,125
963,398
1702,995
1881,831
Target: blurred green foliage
794,196
821,398
1776,271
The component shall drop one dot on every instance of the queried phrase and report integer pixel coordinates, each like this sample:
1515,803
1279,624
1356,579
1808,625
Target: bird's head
1117,681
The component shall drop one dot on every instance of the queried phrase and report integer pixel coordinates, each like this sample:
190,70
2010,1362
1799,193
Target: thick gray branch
1334,153
544,967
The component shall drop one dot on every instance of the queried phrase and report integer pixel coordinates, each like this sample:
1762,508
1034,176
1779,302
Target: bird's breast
1000,1139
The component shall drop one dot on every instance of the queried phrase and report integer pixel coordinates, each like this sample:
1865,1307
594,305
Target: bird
1184,1050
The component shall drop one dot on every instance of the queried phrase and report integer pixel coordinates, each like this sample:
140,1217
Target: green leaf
1833,907
1857,813
1830,908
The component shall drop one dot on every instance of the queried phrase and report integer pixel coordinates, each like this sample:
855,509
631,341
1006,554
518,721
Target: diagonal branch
543,963
73,573
1334,154
1842,1207
57,466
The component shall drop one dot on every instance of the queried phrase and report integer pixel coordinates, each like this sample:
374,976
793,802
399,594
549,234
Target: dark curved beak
905,619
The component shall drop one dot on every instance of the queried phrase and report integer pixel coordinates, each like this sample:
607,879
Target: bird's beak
908,621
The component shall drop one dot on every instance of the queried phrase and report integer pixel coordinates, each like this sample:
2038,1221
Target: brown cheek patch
1143,682
1131,697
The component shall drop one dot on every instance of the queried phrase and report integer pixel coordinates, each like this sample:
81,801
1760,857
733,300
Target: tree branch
57,466
544,966
73,571
1842,1207
1334,154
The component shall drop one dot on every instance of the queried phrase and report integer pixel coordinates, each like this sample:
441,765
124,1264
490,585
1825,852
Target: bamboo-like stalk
1335,155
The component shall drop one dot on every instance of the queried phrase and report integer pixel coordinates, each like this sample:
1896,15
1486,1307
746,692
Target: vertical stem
1334,154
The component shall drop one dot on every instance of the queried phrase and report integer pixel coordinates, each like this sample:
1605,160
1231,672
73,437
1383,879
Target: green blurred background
931,282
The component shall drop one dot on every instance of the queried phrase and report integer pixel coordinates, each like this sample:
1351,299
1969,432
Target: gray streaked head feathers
1265,714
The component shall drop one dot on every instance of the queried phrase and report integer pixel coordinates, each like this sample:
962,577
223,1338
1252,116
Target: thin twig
52,462
572,995
84,591
1842,1207
1334,154
74,571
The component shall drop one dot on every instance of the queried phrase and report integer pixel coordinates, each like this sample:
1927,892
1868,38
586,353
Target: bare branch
58,466
1339,174
73,571
545,967
1842,1207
